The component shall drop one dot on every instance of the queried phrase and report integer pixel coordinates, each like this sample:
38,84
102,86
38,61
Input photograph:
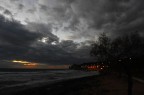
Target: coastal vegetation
123,55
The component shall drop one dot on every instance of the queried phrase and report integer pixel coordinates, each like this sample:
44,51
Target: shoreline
13,90
66,87
108,84
12,85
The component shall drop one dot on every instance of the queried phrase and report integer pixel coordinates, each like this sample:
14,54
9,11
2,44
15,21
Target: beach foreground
108,84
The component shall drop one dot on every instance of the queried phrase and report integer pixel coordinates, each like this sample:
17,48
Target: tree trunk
130,84
128,68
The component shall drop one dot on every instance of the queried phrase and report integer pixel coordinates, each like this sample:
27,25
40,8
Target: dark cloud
7,12
1,8
12,32
43,7
11,52
132,19
84,19
31,10
43,29
113,16
20,6
87,18
16,42
65,52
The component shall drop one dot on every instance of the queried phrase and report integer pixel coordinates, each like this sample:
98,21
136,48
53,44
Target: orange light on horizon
26,63
19,61
33,65
30,64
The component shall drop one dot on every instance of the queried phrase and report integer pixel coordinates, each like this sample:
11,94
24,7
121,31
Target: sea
10,78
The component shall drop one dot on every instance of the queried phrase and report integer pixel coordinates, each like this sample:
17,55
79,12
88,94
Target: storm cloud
61,31
12,32
23,43
14,38
80,19
112,16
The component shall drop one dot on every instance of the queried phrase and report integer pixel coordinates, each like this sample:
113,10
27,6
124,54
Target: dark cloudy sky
59,32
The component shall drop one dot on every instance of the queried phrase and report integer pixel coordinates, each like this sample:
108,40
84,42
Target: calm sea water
13,78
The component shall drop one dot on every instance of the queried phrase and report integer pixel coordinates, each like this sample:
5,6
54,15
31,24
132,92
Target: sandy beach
109,84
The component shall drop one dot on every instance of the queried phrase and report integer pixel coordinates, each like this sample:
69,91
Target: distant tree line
127,50
124,54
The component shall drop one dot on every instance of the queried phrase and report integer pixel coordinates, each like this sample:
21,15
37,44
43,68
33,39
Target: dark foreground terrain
95,85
